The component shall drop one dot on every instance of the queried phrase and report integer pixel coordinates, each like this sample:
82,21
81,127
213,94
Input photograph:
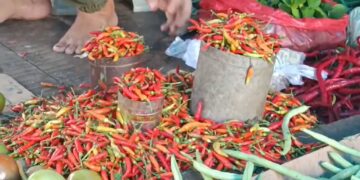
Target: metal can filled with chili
140,97
112,52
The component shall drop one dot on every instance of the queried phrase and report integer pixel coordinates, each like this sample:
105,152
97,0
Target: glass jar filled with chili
142,115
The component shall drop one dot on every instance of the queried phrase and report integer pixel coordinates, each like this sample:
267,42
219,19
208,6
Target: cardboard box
310,164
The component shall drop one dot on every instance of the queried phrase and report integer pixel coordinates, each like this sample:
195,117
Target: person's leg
74,39
24,9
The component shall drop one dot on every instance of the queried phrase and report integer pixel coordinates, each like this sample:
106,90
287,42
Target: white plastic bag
290,69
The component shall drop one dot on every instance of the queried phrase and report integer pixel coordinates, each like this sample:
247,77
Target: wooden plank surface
13,91
23,71
26,48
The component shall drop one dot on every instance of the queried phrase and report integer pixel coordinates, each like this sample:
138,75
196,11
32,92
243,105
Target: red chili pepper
297,143
31,138
220,167
320,80
25,147
60,167
351,71
78,147
176,120
209,160
129,94
199,110
28,162
72,133
166,135
76,155
71,158
88,146
156,98
98,157
310,96
104,175
128,165
124,143
85,96
339,69
69,164
178,155
164,163
227,164
77,129
275,125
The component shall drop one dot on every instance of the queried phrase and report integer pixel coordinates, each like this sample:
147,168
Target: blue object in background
61,8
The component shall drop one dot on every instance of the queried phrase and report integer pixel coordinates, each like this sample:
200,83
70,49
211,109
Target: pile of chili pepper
113,43
338,96
69,132
141,84
237,33
278,105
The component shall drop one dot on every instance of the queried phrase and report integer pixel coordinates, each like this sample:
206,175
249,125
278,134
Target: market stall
222,121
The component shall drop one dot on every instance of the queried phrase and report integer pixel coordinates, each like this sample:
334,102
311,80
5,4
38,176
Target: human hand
177,13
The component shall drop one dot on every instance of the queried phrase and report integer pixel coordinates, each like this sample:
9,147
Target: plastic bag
354,27
299,34
187,50
289,69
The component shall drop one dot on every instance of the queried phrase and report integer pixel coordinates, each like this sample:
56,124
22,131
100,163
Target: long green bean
346,173
330,167
285,127
202,168
333,143
175,169
198,159
268,164
249,170
358,174
340,160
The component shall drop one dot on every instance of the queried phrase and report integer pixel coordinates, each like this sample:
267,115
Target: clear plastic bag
299,34
289,69
187,50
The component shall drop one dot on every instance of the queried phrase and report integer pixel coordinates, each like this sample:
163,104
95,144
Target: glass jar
142,115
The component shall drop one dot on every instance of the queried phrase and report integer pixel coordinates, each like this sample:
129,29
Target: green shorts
88,6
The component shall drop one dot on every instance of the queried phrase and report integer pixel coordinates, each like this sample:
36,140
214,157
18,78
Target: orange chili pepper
249,74
154,163
102,111
192,125
92,166
161,148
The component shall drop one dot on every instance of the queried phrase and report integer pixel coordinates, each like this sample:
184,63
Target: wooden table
26,48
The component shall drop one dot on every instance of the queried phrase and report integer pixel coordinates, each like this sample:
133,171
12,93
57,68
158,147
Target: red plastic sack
298,34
